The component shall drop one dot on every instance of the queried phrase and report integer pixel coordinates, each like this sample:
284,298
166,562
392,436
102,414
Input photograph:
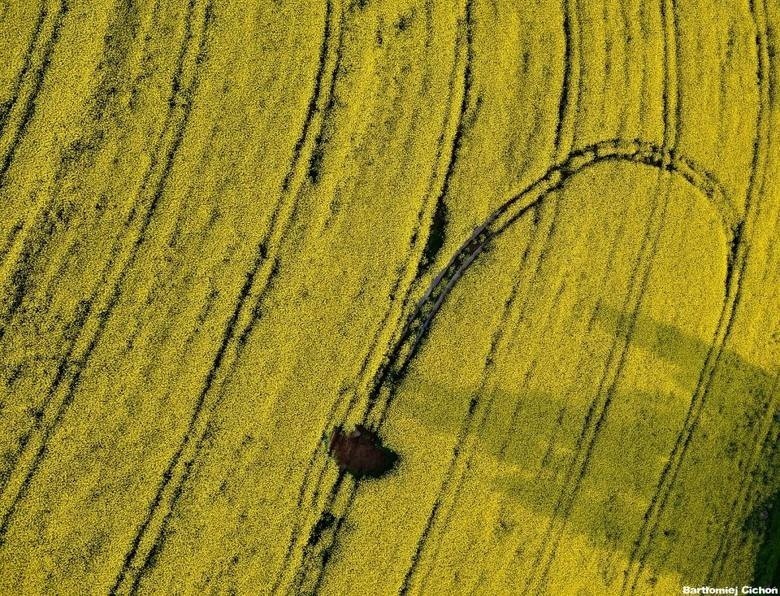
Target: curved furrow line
740,248
473,425
613,248
767,436
10,145
755,191
38,224
530,370
614,150
9,241
409,274
5,111
651,519
568,109
671,14
521,549
73,365
627,24
85,148
577,49
68,363
434,244
748,480
463,449
597,412
311,564
29,245
608,151
572,79
84,308
397,360
294,181
151,534
140,558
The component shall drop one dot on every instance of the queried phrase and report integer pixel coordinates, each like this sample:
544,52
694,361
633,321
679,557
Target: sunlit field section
533,246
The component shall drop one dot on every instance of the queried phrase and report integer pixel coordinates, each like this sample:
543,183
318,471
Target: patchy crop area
389,296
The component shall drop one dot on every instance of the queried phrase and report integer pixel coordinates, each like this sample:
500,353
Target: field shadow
533,460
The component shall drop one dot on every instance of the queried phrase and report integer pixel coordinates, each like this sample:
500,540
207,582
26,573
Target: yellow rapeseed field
534,245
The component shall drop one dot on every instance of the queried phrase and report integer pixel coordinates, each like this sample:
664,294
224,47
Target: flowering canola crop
532,246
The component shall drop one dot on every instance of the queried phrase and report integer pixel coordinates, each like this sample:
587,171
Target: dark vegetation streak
65,365
86,145
396,361
20,277
432,247
566,502
564,106
741,249
674,22
51,220
670,137
312,107
311,110
378,333
439,223
74,154
763,129
29,109
665,116
468,422
118,41
580,68
262,249
629,45
314,170
104,316
229,334
608,66
436,236
532,366
127,28
767,567
563,102
9,242
466,427
669,22
7,106
327,551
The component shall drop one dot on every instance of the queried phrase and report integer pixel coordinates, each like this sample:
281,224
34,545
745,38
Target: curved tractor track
391,373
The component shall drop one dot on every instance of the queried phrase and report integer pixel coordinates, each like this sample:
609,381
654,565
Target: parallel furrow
737,264
106,296
151,534
411,271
